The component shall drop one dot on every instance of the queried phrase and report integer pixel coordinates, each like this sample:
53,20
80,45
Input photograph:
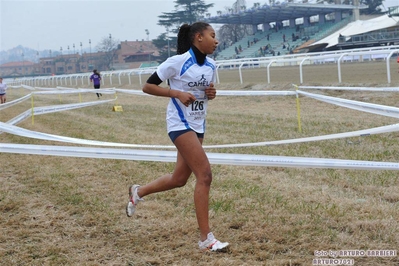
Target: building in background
18,69
129,55
135,54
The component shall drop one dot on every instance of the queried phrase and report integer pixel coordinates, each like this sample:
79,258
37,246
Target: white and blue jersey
3,88
185,74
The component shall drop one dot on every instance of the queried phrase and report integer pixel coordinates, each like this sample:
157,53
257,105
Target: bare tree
109,47
231,33
239,5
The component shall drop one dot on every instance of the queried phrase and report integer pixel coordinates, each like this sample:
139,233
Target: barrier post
117,108
298,109
32,110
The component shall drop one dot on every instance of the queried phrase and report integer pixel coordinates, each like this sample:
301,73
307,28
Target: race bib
197,109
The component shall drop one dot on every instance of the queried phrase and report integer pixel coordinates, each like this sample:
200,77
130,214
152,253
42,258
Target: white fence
355,55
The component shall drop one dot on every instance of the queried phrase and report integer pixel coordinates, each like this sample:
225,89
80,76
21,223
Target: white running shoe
212,244
133,200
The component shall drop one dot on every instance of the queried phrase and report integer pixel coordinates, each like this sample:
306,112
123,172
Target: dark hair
186,34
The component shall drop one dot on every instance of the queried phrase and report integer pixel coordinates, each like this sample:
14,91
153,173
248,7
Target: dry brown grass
70,211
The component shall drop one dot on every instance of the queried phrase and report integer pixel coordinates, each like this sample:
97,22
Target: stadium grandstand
287,28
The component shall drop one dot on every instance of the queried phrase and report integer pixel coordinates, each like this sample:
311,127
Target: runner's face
208,43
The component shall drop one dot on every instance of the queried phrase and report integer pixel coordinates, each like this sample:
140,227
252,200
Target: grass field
71,211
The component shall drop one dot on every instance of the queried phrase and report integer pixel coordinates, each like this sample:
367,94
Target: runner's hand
210,92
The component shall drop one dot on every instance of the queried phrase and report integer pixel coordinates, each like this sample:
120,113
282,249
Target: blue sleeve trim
187,65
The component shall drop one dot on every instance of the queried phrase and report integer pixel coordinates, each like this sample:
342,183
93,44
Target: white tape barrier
356,105
49,109
52,89
62,88
168,156
64,107
57,108
21,86
359,133
28,87
214,158
75,91
135,92
14,86
53,109
19,118
66,90
225,93
380,89
254,93
44,136
14,102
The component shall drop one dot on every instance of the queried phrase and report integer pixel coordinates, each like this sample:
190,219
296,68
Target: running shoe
212,244
133,200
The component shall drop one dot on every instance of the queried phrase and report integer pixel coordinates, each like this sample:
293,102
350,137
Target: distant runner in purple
96,79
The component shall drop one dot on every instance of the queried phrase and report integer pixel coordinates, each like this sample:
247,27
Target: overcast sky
51,24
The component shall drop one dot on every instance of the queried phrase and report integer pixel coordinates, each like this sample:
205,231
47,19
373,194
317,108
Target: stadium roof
285,11
358,27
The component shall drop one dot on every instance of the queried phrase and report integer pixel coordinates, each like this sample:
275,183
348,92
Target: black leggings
97,87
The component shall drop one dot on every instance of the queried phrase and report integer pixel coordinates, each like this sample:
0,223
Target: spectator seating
276,43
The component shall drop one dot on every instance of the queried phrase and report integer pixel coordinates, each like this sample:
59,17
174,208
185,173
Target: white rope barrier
216,158
380,89
44,136
14,102
356,105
